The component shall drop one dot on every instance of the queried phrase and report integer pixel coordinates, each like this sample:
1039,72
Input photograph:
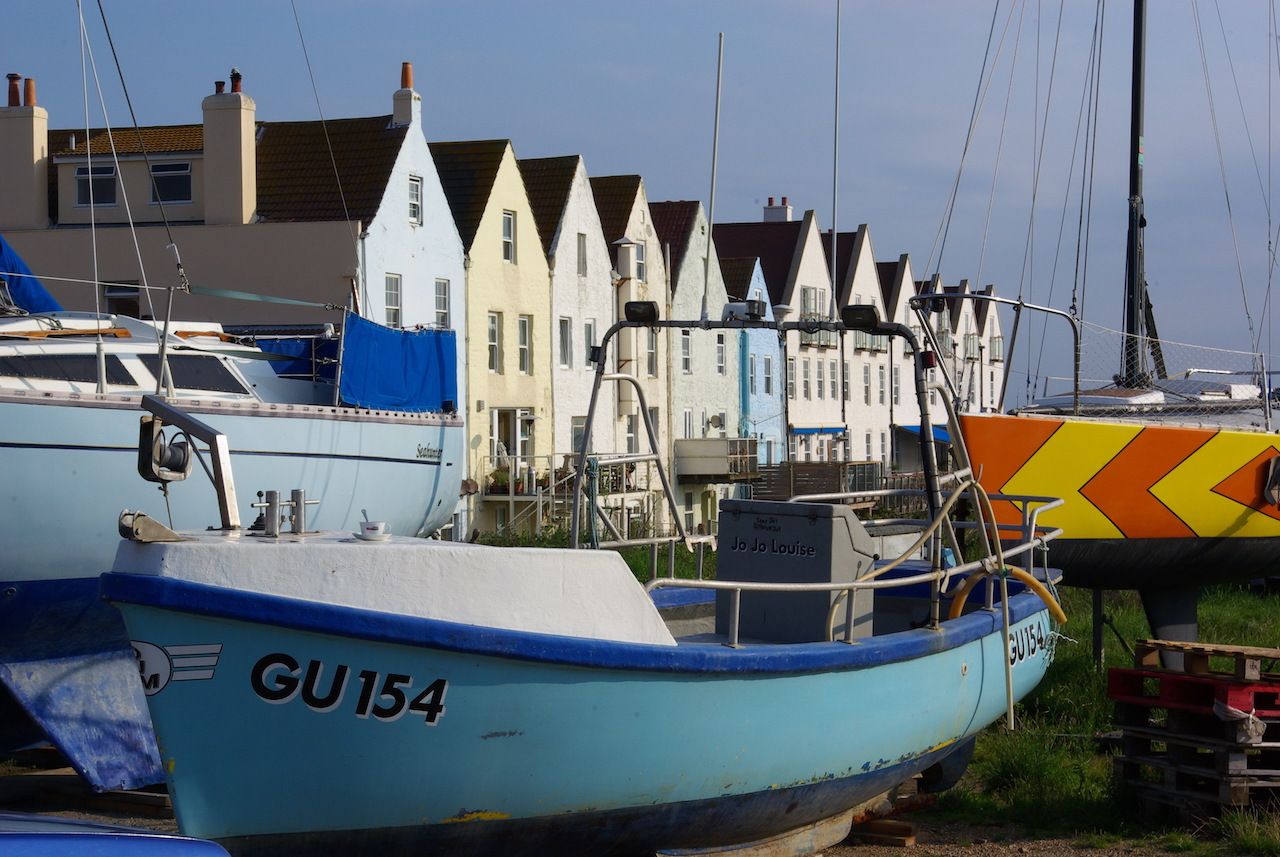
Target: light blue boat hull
544,741
65,662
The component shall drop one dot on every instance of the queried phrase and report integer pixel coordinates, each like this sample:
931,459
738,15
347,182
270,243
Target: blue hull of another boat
65,660
315,728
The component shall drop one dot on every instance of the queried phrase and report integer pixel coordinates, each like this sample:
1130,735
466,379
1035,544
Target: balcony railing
716,459
818,338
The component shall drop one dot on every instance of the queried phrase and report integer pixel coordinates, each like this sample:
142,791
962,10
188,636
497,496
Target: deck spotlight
641,312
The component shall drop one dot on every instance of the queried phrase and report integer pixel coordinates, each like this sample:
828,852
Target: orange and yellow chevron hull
1129,480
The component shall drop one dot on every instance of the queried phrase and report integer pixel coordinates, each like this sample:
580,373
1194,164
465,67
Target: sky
631,87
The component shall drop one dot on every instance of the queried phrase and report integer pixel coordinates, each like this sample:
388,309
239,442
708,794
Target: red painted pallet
1196,693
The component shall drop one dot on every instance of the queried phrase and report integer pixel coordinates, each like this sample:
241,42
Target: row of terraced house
530,261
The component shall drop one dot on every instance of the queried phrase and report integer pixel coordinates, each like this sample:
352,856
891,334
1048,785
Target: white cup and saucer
372,531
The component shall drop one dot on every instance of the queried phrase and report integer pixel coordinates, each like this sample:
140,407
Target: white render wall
869,409
581,299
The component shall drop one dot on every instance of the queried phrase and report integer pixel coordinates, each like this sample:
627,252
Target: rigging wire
93,221
1248,134
1083,260
324,126
979,95
1076,138
1222,168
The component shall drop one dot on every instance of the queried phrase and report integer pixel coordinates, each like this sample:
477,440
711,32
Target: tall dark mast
1135,284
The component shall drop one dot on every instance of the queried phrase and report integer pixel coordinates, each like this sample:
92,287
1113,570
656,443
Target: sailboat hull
1146,504
70,464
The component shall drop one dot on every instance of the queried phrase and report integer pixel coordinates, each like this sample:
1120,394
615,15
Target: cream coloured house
511,434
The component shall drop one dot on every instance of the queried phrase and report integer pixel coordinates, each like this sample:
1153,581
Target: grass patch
1249,832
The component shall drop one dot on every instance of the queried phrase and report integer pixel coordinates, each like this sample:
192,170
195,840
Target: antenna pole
711,209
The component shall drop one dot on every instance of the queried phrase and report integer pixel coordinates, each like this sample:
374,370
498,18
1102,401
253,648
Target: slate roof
296,176
737,273
774,243
615,197
982,308
846,242
673,222
467,171
548,182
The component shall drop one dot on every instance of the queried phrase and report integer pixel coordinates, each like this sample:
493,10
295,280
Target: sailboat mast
1135,275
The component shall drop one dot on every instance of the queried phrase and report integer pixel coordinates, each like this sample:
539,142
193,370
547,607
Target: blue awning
818,430
940,434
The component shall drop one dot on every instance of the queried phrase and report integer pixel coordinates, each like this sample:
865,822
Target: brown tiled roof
128,141
296,179
295,174
467,171
982,308
673,221
737,272
775,244
615,198
548,182
955,304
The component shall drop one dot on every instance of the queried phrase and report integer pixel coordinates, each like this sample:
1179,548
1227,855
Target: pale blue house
761,380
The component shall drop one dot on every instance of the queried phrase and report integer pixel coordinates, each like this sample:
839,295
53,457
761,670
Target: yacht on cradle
1168,474
355,415
468,694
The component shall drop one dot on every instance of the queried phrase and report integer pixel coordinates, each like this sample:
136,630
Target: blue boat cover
25,289
940,433
397,370
309,354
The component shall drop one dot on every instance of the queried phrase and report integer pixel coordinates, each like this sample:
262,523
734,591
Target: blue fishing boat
349,693
355,415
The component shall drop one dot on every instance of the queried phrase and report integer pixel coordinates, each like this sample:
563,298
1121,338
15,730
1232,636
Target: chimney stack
230,155
406,104
24,159
777,213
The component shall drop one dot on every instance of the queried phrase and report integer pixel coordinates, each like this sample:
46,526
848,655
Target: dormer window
103,180
415,200
169,182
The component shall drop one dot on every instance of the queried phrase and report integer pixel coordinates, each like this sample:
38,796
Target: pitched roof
887,274
152,139
982,308
846,242
673,222
955,305
296,176
774,242
548,182
737,272
467,171
615,197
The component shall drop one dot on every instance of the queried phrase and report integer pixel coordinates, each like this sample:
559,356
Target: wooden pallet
1193,692
1246,660
884,831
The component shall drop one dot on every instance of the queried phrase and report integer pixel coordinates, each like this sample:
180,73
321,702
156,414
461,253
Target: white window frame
442,303
495,342
881,373
393,292
524,344
688,423
866,383
822,380
806,377
588,340
642,263
844,381
582,254
566,342
767,367
686,352
721,368
751,374
173,169
791,380
94,179
415,200
652,352
509,236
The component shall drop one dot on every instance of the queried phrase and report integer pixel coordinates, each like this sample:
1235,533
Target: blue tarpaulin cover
27,291
940,434
310,354
397,370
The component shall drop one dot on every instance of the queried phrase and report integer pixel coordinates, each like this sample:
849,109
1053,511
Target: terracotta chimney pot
29,92
236,77
219,86
13,89
406,75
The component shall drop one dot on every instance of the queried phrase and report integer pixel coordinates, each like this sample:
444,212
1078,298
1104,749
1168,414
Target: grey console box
766,541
